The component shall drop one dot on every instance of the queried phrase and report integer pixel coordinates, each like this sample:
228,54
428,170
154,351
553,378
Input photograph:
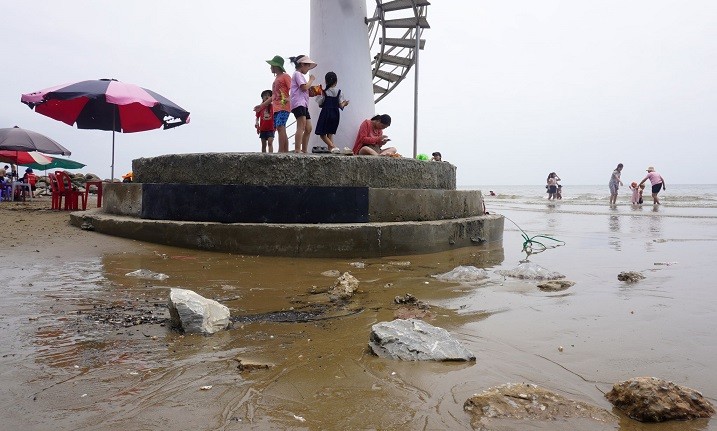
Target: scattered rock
401,263
630,276
410,299
358,265
344,287
147,274
250,366
649,399
556,285
331,273
463,274
415,340
531,271
514,402
194,313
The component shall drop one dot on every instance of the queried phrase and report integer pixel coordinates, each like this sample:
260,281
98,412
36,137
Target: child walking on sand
300,100
279,100
330,101
265,123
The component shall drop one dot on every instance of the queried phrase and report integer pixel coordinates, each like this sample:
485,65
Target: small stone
630,276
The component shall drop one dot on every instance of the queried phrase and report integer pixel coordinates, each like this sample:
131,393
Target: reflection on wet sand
83,371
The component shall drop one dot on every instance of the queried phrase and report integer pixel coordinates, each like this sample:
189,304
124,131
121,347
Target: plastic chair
55,189
5,191
70,192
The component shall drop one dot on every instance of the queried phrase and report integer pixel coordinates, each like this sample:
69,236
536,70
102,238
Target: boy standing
265,123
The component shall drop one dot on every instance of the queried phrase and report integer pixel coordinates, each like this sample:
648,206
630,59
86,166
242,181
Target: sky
509,90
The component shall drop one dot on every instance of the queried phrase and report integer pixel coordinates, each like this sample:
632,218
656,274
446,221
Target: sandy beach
86,347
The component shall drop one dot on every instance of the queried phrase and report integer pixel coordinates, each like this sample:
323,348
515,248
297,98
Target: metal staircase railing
393,30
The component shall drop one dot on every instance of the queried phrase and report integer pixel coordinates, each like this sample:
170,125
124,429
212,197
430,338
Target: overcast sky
509,89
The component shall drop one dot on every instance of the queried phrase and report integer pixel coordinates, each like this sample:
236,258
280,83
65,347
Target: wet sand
65,366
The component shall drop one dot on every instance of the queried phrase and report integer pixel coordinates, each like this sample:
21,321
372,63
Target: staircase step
387,76
402,4
406,23
393,59
405,43
377,89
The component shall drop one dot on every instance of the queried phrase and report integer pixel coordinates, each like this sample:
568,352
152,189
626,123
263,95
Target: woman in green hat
279,100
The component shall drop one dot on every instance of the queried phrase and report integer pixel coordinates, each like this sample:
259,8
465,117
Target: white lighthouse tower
341,41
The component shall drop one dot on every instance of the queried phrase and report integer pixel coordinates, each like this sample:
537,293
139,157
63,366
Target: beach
86,347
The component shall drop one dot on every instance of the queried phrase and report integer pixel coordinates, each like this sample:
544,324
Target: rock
410,299
649,399
415,340
245,366
556,285
630,276
358,264
194,313
465,274
331,273
513,402
147,274
344,287
531,271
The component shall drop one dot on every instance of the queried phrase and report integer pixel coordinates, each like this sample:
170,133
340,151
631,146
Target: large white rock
194,313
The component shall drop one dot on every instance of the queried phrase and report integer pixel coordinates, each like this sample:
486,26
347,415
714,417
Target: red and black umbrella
107,104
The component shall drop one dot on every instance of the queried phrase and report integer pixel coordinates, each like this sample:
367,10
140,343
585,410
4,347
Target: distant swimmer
492,193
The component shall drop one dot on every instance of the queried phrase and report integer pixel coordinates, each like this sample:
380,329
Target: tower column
339,43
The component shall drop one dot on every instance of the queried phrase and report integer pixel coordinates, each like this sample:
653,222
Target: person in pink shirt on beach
300,100
657,182
370,138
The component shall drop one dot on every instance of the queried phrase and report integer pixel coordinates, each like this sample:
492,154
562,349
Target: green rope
531,245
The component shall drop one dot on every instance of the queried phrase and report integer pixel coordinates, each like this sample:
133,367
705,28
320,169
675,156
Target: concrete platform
296,205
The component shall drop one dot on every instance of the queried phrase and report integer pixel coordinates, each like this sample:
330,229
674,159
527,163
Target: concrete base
296,205
304,240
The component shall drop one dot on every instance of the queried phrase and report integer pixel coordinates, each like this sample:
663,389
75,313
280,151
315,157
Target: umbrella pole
112,170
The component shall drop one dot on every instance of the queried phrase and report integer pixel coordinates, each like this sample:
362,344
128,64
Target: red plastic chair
55,189
70,192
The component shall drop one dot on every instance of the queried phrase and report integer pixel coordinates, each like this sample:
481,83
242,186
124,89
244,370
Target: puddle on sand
85,366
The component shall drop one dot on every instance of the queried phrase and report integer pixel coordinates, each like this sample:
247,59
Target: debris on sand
630,276
504,405
556,285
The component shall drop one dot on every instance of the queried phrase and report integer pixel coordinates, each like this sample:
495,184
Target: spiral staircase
393,30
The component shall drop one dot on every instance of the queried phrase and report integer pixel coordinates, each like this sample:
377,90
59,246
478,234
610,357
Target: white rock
194,313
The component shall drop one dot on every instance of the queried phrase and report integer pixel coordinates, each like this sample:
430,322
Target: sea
676,195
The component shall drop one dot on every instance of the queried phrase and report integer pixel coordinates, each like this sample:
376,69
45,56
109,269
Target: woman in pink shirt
657,182
370,137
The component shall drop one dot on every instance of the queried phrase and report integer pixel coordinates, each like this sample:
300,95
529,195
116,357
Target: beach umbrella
19,139
57,163
107,104
24,158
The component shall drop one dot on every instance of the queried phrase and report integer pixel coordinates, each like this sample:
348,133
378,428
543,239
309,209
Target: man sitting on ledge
370,137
